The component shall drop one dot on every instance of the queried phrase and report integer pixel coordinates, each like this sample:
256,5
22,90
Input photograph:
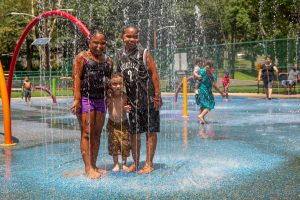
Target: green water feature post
54,87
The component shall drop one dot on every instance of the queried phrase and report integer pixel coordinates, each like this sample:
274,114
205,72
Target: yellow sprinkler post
6,111
184,88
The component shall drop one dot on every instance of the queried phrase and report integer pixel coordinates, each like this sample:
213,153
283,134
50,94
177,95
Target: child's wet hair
130,26
94,32
116,74
198,60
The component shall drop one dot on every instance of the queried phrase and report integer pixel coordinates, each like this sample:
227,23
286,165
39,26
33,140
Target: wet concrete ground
249,150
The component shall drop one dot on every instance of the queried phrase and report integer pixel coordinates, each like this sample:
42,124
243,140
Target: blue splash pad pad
249,149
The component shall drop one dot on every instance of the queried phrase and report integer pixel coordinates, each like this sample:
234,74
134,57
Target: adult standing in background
267,75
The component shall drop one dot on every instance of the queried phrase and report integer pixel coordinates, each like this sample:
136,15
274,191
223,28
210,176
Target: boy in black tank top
143,92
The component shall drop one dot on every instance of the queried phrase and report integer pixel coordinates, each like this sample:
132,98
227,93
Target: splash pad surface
250,149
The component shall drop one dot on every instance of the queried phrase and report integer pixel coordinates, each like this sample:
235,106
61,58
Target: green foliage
198,23
11,26
236,19
245,76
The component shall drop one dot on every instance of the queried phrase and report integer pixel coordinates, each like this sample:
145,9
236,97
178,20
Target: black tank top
95,78
139,86
267,72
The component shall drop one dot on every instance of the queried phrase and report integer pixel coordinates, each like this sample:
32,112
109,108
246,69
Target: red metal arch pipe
58,13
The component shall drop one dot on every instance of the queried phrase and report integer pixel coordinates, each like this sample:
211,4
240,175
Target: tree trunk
29,54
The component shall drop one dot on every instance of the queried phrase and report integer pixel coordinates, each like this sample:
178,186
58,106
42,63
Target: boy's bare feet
93,174
146,169
101,171
116,168
130,169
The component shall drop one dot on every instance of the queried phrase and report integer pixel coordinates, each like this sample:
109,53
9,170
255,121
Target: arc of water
47,14
43,88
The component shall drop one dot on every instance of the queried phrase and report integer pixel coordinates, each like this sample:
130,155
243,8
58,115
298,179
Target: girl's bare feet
101,171
93,174
146,169
130,169
116,168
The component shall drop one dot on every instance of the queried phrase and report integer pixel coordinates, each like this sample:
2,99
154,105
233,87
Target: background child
91,73
117,126
197,66
26,88
226,83
206,99
143,92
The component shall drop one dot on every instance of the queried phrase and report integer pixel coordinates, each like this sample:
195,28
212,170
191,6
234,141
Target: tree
12,26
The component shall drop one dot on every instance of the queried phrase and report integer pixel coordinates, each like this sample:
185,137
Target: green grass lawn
244,76
253,89
243,63
37,93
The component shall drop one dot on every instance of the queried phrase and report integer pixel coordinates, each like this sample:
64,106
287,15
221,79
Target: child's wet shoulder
81,55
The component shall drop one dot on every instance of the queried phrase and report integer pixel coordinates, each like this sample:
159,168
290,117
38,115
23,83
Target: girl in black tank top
91,73
95,78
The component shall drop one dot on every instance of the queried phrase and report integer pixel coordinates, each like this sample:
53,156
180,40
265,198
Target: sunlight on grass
244,76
